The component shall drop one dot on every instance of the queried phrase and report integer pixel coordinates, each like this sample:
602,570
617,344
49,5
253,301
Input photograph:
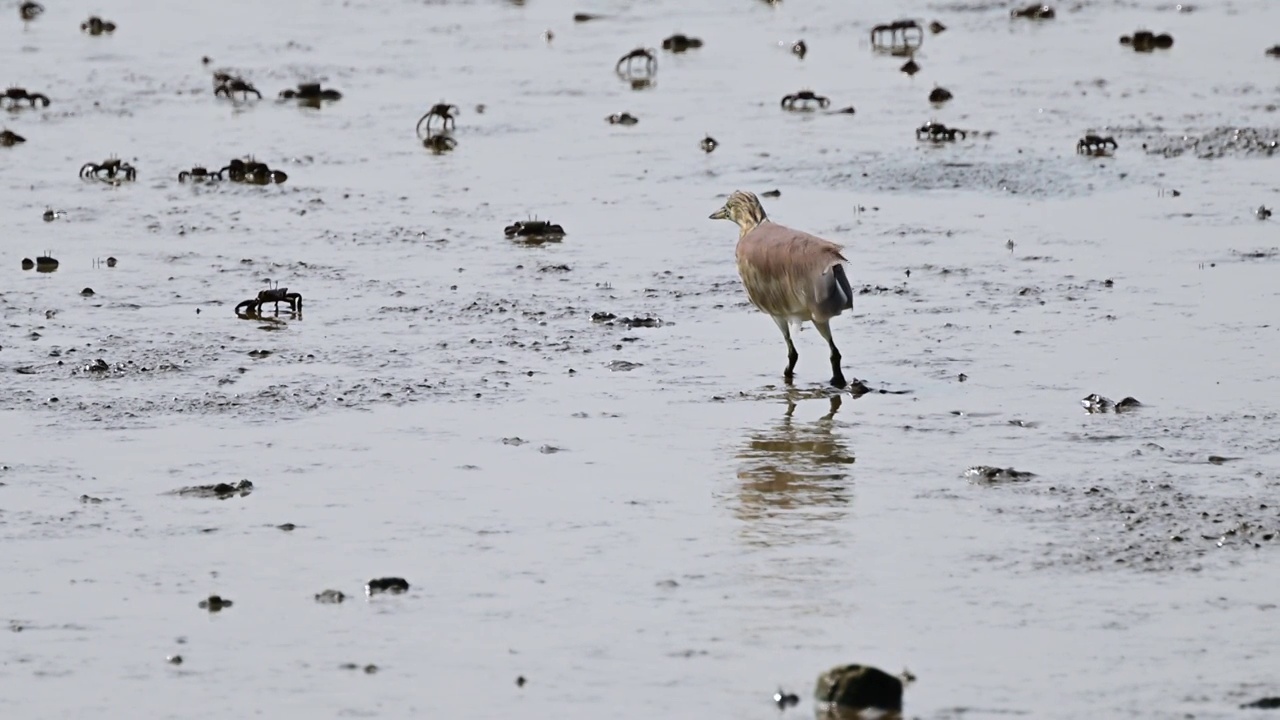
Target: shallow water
688,535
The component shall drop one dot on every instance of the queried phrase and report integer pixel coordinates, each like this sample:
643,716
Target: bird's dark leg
837,375
792,355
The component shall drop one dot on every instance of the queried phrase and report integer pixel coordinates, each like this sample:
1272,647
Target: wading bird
792,275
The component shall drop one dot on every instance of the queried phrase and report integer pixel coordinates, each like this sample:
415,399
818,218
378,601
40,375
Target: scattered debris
988,475
1095,403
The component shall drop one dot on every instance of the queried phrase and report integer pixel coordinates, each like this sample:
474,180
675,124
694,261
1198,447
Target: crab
197,174
8,138
1095,145
622,118
441,110
679,43
1146,41
30,10
534,230
112,166
228,85
900,33
310,92
939,95
626,64
1033,12
250,171
277,295
801,100
97,26
938,132
16,95
439,143
708,144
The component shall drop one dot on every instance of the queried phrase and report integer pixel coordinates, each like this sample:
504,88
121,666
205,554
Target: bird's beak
721,214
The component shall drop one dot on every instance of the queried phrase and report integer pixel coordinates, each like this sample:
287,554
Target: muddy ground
639,515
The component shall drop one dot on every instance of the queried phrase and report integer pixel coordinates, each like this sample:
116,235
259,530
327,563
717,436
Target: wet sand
687,535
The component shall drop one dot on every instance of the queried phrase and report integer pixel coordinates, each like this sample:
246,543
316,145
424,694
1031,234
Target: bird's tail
837,295
845,291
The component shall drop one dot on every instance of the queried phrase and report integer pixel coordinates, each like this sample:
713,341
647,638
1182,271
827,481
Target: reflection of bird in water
793,276
792,473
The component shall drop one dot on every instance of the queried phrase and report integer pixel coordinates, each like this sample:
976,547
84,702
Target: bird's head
743,208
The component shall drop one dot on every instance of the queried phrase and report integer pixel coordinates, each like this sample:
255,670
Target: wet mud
573,437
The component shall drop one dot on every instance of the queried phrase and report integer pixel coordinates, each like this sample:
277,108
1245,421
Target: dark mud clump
859,687
330,597
221,491
1267,703
608,318
392,585
215,603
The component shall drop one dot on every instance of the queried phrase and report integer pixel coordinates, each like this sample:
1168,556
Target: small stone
330,597
174,659
520,681
111,262
28,263
859,687
287,527
87,292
